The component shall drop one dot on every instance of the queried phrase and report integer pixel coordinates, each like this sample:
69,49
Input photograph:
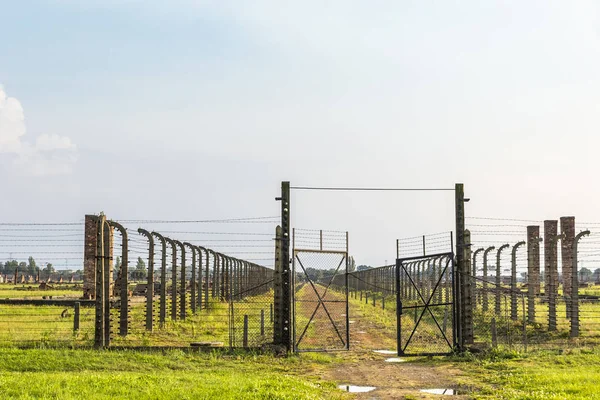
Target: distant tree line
31,268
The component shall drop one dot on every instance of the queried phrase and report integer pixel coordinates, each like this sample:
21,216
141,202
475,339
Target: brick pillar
533,270
551,269
89,256
567,229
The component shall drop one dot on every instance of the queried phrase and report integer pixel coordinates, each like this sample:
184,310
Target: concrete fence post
533,270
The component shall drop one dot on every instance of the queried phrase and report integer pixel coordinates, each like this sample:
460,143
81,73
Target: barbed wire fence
531,284
204,286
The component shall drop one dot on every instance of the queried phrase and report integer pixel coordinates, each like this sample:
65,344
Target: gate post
467,294
286,278
460,274
277,301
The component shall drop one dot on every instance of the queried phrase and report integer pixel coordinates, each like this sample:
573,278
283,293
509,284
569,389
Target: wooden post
494,333
245,338
76,317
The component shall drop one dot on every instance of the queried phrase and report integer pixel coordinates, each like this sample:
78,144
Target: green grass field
77,374
542,375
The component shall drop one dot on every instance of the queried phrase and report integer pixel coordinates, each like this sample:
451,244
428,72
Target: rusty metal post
513,281
150,280
163,280
123,280
498,304
485,281
575,287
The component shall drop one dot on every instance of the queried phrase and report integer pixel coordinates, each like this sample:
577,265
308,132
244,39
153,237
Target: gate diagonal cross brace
426,304
320,301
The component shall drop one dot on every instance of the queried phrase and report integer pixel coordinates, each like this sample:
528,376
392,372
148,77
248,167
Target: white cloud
48,155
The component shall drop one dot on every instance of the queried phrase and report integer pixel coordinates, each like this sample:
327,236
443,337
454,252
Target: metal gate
320,300
425,306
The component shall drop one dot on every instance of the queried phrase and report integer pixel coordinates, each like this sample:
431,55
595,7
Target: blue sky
219,101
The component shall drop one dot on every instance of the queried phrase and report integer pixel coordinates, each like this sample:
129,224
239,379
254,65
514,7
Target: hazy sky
196,110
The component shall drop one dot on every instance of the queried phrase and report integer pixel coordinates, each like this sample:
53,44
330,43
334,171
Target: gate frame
451,263
320,302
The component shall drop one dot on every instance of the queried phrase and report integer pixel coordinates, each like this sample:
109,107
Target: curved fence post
150,280
485,282
474,295
182,285
123,280
173,245
193,282
513,281
498,304
163,279
202,289
575,287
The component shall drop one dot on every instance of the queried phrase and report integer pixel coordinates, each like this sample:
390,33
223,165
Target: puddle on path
395,360
361,332
391,352
447,392
356,389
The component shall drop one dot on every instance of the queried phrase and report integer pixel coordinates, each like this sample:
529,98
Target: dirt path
393,381
361,366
